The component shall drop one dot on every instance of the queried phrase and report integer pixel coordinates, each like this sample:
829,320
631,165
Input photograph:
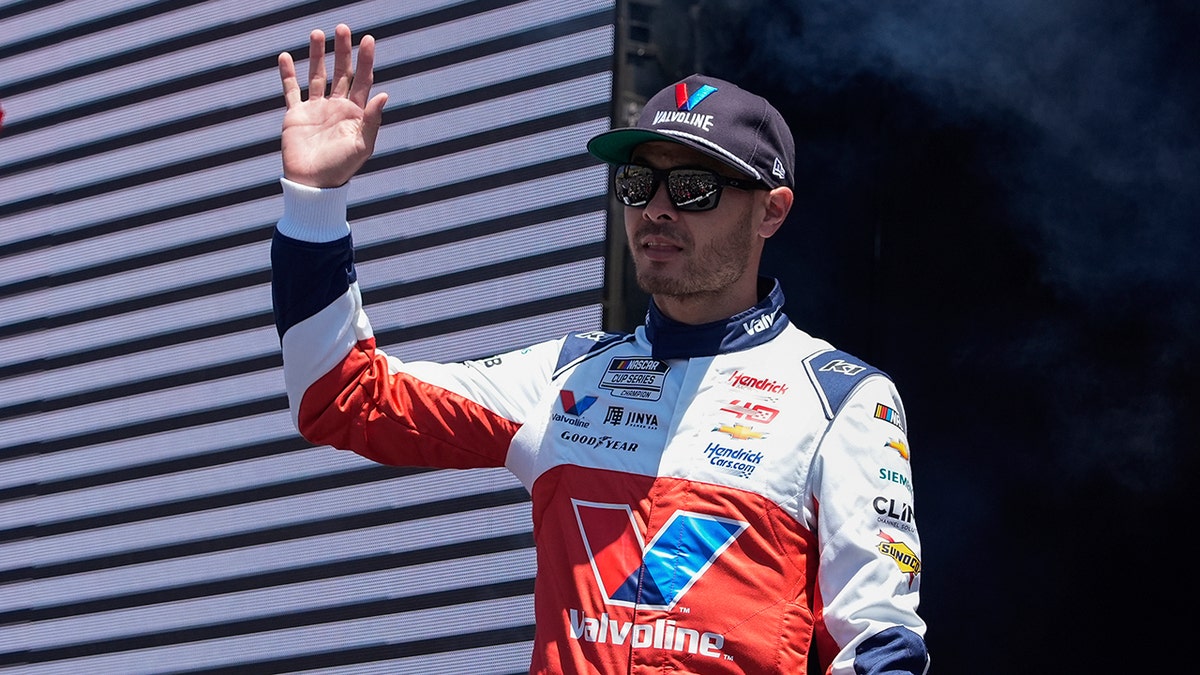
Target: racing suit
721,498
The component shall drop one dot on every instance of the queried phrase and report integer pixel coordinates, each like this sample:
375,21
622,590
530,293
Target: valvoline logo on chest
654,575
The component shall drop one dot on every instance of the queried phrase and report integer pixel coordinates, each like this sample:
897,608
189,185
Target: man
718,492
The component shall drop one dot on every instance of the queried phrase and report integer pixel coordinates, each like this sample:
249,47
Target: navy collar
670,339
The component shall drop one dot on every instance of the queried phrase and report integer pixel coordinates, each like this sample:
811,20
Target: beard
714,267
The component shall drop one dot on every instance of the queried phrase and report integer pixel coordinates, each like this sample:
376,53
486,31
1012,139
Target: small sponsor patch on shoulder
834,374
579,345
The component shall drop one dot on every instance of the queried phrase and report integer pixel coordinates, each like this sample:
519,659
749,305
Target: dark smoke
999,204
1066,130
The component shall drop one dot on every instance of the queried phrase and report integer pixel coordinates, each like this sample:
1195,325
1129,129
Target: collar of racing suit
671,339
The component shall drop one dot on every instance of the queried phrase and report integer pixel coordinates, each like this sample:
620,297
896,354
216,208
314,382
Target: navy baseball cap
718,118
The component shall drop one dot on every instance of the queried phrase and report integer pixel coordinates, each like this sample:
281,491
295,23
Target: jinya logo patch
655,575
685,102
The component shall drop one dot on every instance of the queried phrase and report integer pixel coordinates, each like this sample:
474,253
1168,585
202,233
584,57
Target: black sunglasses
688,189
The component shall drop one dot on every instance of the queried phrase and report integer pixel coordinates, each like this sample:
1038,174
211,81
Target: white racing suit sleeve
870,552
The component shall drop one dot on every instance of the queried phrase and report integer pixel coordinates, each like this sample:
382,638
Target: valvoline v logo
655,575
572,406
685,102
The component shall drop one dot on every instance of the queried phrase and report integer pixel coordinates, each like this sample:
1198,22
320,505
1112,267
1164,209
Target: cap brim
616,146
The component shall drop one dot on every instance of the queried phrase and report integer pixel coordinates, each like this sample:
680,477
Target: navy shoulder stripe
835,374
579,345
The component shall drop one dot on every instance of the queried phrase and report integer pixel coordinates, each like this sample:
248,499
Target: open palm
327,138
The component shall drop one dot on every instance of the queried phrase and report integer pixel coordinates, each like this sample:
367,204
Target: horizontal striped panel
501,337
158,511
94,502
510,659
273,560
141,370
433,631
172,445
64,261
57,15
115,323
467,299
328,594
101,334
151,363
161,52
455,78
380,539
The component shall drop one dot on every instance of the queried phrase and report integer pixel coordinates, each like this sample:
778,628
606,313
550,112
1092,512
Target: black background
998,205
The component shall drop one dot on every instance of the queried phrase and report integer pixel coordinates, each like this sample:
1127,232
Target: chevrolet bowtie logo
740,431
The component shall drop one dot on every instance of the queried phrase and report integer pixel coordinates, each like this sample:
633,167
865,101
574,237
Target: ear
778,204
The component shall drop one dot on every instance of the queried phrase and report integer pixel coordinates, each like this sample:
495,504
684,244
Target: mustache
657,231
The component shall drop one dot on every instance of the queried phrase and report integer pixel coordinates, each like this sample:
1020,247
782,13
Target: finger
373,118
316,65
287,74
364,75
342,51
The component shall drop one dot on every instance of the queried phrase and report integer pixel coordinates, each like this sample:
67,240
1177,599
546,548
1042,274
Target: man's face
685,254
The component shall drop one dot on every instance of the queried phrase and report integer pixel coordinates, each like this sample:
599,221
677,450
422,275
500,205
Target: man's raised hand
327,138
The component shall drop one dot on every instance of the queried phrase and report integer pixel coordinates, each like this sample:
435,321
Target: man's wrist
313,214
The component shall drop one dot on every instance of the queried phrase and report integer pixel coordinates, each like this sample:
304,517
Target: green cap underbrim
616,146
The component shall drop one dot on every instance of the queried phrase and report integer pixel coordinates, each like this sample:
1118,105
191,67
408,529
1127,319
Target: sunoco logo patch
899,551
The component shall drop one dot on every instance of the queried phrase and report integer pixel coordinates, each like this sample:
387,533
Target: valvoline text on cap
684,104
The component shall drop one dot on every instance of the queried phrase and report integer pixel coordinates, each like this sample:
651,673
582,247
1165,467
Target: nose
660,205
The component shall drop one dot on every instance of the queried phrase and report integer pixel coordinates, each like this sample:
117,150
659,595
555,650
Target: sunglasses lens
634,184
693,189
688,189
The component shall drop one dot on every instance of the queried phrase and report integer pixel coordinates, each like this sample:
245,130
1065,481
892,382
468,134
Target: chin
661,284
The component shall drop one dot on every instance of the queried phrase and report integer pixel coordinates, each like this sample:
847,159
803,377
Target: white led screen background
158,511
